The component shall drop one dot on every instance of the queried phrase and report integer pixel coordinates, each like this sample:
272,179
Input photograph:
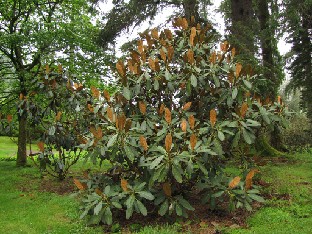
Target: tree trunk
242,34
190,8
241,10
307,64
269,74
266,41
21,159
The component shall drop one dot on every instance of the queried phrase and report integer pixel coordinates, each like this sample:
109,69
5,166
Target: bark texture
21,159
242,35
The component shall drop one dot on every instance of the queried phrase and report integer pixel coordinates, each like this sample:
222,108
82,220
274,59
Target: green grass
159,230
293,214
26,210
8,150
8,147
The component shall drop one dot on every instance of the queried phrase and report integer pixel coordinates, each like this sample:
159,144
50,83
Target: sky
215,17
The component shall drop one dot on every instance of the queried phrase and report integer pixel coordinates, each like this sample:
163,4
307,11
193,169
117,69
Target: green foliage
298,135
181,107
43,212
297,24
36,33
235,191
265,149
100,202
56,112
289,209
119,20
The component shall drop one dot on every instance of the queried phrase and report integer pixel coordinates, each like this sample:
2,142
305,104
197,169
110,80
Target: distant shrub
298,136
56,118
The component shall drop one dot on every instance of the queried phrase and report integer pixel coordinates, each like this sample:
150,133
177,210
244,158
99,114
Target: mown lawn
25,207
8,147
288,209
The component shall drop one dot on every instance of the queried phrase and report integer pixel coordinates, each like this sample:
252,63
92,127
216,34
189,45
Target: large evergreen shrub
183,105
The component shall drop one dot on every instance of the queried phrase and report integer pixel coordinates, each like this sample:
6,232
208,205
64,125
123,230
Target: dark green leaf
253,191
256,197
156,162
98,208
129,152
253,123
248,84
188,88
176,174
141,207
147,195
218,194
167,75
246,136
202,168
126,93
185,203
156,84
193,80
108,216
143,126
264,115
234,93
117,205
129,212
129,202
178,209
163,208
221,136
112,141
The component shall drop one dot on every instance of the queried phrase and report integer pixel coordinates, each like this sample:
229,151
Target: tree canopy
298,25
126,14
34,33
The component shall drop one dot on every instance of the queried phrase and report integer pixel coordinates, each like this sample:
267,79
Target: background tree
271,62
35,33
252,30
6,83
57,112
270,56
252,27
242,20
298,25
126,14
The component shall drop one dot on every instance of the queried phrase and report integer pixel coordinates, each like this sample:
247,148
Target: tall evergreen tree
242,31
298,24
270,56
271,60
126,14
252,26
